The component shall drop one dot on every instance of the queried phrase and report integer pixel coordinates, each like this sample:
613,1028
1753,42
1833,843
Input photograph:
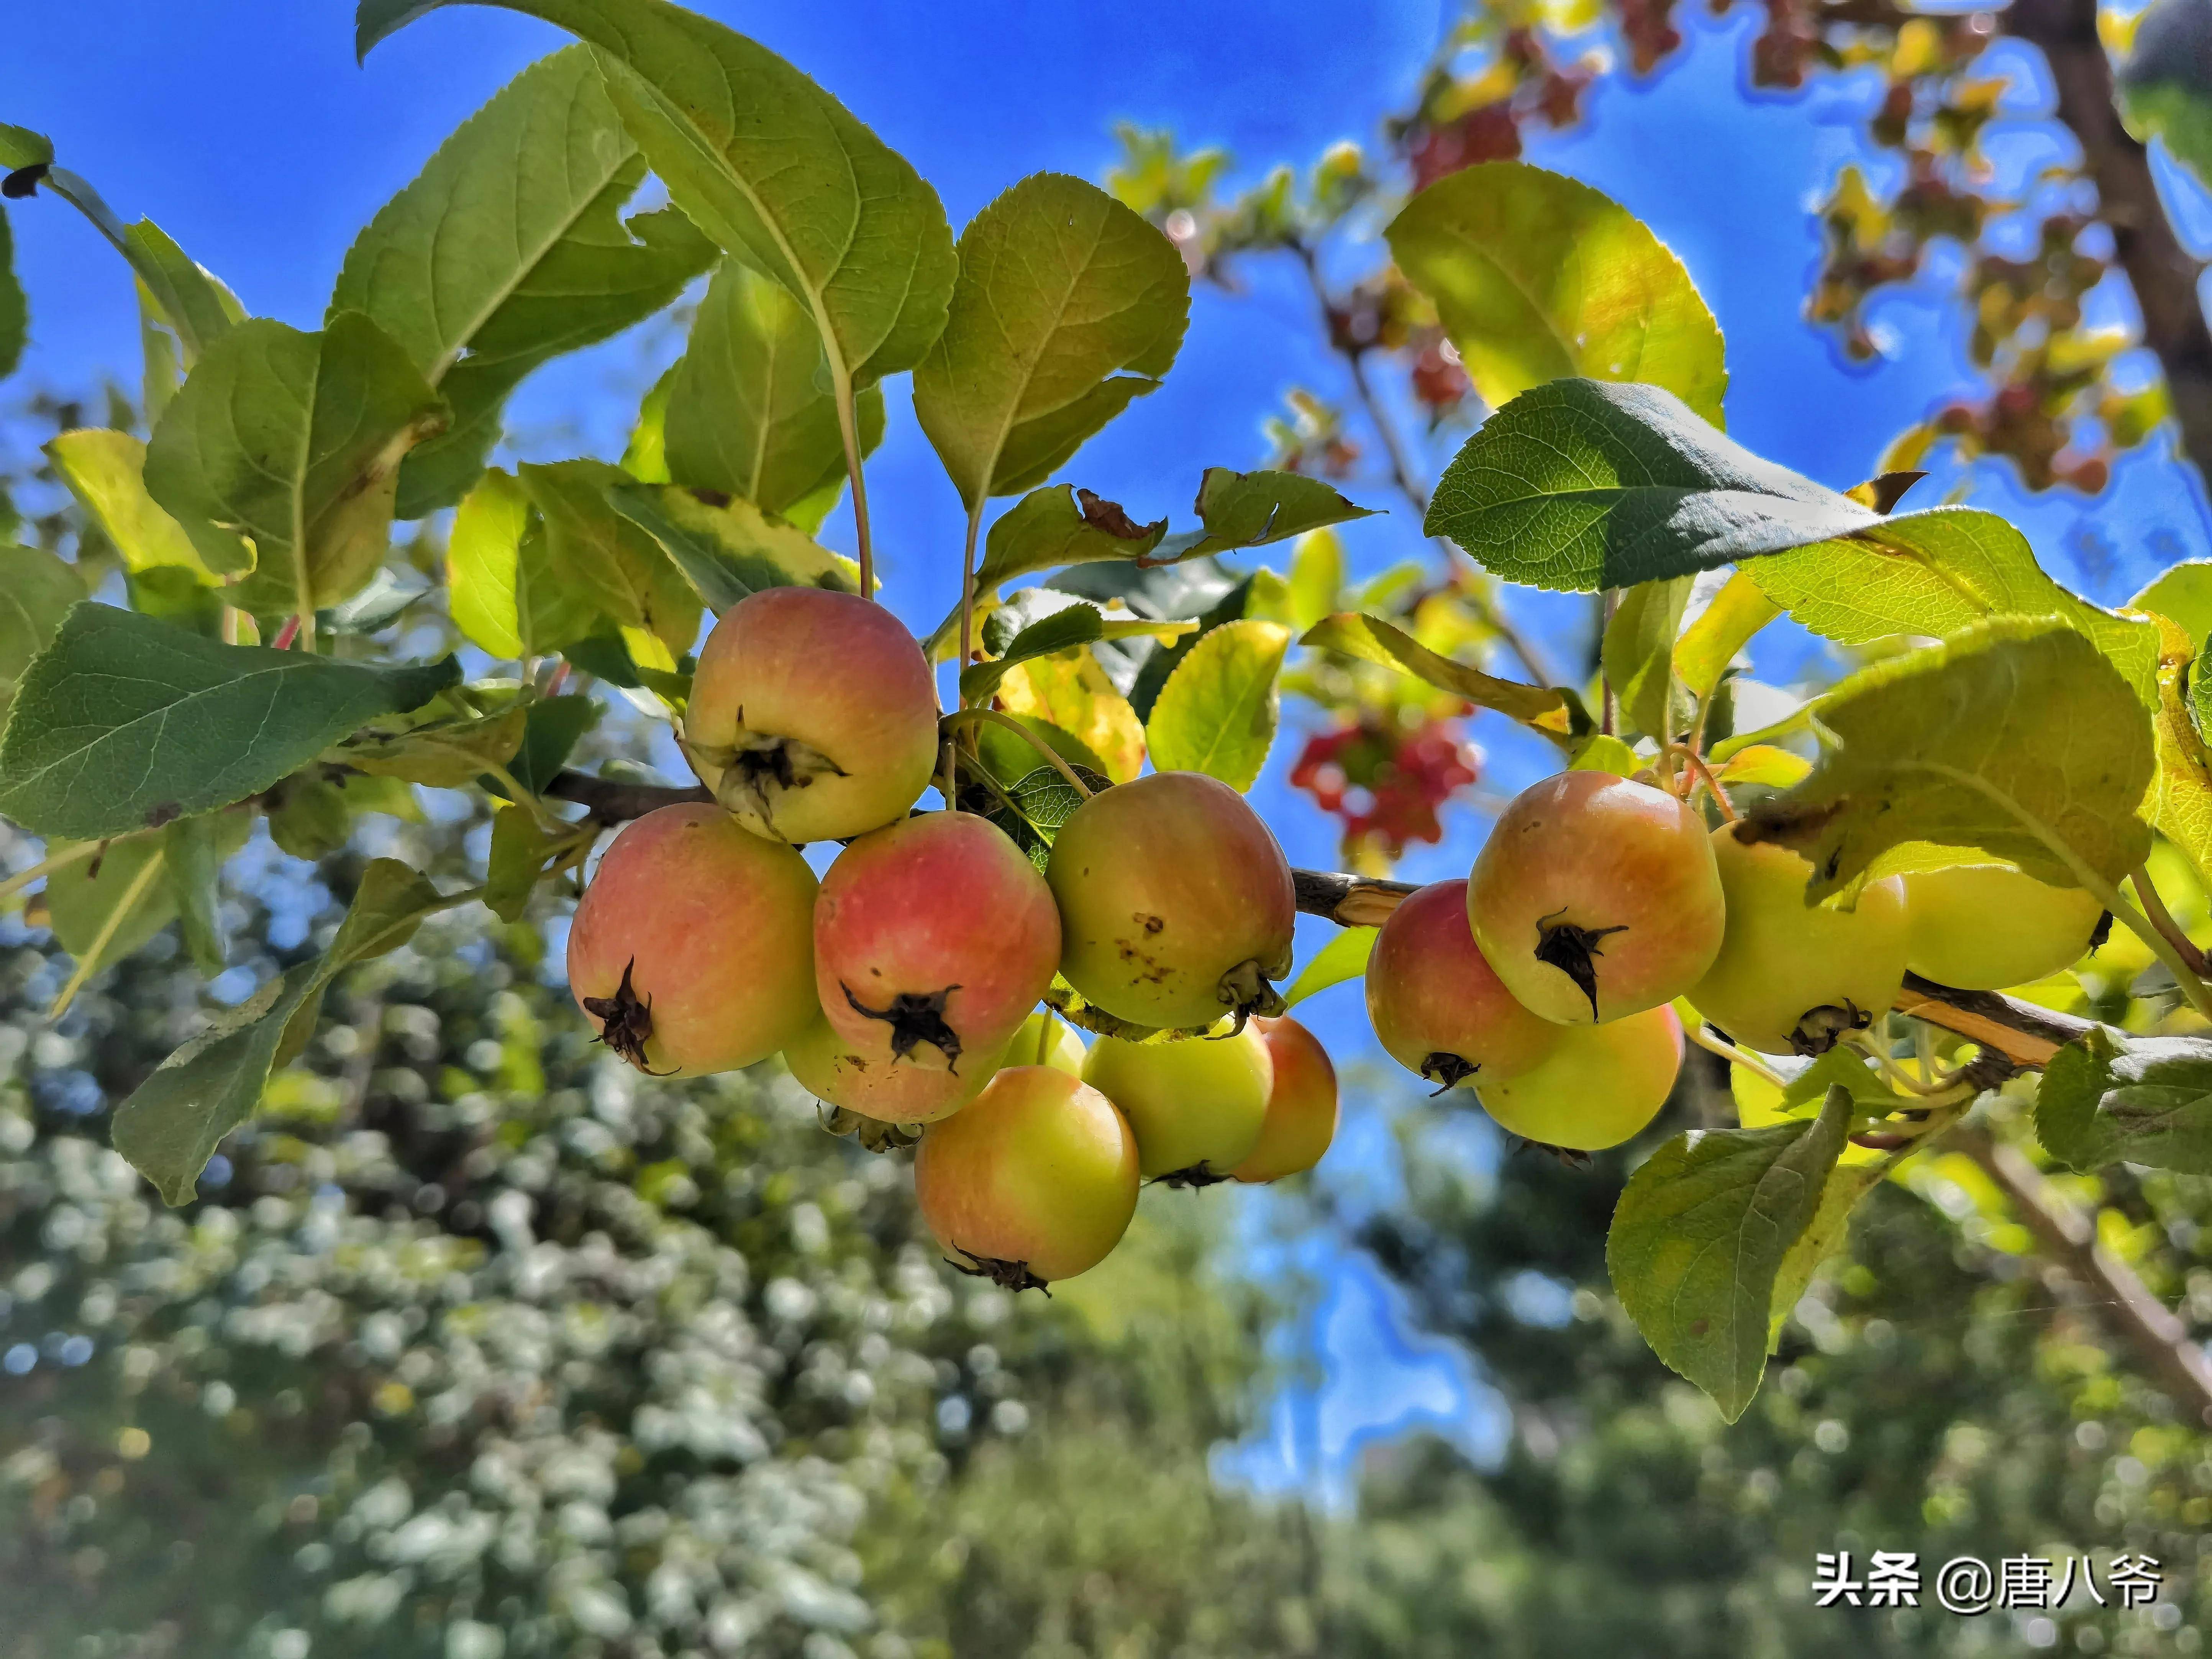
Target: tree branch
2160,1341
610,801
2160,270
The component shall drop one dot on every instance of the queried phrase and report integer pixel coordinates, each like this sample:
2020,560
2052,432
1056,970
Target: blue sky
245,130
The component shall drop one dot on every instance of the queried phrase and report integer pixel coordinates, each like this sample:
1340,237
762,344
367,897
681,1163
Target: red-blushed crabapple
812,715
1596,897
889,1091
692,950
1791,976
933,938
1035,1180
1197,1104
1175,901
1601,1085
1983,927
1302,1104
1437,1007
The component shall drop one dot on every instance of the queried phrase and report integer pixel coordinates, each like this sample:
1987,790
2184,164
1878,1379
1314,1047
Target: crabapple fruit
1598,1087
1175,901
1197,1105
933,937
693,948
1302,1105
1791,976
1035,1180
1983,927
1062,1049
812,715
830,1069
1596,897
1436,1006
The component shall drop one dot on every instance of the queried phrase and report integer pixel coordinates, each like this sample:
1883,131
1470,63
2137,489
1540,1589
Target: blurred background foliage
478,1345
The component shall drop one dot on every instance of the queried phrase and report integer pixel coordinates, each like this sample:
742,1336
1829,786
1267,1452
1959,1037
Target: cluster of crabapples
903,988
1548,981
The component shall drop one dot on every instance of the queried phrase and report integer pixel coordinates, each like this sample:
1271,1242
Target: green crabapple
812,715
1791,976
1596,897
1601,1085
933,937
1034,1182
1302,1104
1175,902
1437,1007
692,949
1197,1105
1983,927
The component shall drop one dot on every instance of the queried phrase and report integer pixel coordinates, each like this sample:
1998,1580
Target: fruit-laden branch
2069,1237
2160,270
2025,1035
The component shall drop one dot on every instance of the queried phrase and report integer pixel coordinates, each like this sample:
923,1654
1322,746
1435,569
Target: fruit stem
2162,918
848,429
1734,1056
2184,975
1896,1076
1044,1033
1705,773
547,819
967,597
124,907
970,716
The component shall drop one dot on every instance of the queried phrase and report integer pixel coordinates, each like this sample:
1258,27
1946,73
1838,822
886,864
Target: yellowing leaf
1217,713
105,472
1071,691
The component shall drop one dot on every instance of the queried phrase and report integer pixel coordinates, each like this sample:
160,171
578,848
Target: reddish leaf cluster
1385,781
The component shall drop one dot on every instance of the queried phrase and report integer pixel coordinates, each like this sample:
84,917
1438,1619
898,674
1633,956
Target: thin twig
1697,765
2162,918
971,716
1734,1056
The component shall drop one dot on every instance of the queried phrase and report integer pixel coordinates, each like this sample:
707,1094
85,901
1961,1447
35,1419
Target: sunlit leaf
105,472
36,591
1343,958
599,555
728,549
1217,713
1548,709
1639,654
1071,691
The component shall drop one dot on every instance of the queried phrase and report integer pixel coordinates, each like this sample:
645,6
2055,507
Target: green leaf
1316,580
309,816
2183,595
1549,709
516,863
22,148
1638,652
749,410
1070,690
728,549
768,164
2109,1099
1011,760
508,250
447,754
1936,571
163,370
1067,306
1824,1235
36,591
1251,509
2015,738
1580,486
193,850
1153,674
15,311
1699,1237
1600,751
1071,625
1217,713
294,441
1721,629
123,720
596,554
1537,278
550,732
104,908
1045,530
506,598
1343,958
172,1124
105,472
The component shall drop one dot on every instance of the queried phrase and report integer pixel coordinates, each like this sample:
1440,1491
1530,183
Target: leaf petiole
971,716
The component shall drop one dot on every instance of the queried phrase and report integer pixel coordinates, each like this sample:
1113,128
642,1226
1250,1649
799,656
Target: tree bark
2160,270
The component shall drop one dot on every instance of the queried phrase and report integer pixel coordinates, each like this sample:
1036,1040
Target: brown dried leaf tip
1573,950
626,1022
915,1018
1007,1275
